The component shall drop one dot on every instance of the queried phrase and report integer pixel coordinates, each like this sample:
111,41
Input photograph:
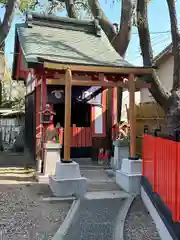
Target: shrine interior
80,114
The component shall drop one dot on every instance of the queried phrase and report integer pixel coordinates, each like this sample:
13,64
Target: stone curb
62,231
119,229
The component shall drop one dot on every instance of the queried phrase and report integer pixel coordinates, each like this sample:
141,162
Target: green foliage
12,92
23,5
27,5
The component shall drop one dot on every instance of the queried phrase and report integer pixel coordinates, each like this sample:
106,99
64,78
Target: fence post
146,130
155,159
176,216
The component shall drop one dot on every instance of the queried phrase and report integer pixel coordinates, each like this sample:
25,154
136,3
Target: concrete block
129,177
67,180
67,170
68,187
131,166
128,182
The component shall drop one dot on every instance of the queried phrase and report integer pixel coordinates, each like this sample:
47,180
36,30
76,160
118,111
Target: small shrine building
71,71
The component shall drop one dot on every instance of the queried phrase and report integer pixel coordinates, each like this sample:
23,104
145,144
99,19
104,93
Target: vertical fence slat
148,158
178,184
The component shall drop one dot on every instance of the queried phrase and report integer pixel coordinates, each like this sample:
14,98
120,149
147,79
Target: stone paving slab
106,195
98,180
95,174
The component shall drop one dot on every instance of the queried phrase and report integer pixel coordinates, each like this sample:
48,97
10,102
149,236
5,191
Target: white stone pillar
51,157
121,150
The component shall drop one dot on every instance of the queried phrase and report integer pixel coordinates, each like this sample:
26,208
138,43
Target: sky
158,22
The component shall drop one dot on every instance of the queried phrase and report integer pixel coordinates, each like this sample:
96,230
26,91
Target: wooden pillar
67,120
132,116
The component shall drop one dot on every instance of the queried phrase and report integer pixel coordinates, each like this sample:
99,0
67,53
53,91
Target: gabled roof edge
165,51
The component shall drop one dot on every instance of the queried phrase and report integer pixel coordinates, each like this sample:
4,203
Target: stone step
102,186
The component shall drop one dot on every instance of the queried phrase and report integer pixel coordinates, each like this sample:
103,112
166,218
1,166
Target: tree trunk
70,8
4,28
105,24
170,102
173,113
157,91
176,44
122,39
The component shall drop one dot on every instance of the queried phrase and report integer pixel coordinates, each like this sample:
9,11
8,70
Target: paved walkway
103,211
96,219
98,180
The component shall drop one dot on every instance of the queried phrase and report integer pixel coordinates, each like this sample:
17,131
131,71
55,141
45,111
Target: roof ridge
166,50
93,27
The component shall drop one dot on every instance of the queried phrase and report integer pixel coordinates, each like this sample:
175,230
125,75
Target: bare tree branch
122,39
157,90
105,24
4,28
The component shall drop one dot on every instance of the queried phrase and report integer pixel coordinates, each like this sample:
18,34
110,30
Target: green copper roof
66,40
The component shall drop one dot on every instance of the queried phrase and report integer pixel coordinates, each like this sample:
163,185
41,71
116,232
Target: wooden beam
140,84
108,84
90,83
132,116
99,69
67,120
50,81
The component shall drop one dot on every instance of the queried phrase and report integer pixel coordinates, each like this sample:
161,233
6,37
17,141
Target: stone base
131,166
41,178
129,183
129,177
67,181
68,187
120,152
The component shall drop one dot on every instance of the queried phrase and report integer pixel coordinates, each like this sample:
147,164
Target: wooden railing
161,167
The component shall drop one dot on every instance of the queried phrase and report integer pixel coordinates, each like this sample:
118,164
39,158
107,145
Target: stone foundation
67,181
129,177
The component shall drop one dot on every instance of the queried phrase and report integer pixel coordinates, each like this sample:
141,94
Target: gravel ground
139,224
23,214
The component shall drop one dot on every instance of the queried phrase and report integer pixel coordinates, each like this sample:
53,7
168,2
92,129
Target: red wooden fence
81,136
161,166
